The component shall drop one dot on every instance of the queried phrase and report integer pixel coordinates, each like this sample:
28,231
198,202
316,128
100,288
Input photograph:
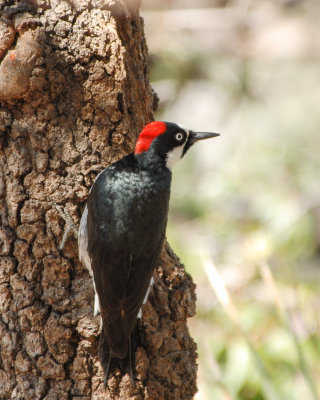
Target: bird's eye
179,136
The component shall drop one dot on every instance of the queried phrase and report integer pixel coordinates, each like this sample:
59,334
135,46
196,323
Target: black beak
195,136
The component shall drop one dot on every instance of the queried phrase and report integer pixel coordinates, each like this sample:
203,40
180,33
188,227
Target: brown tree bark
74,94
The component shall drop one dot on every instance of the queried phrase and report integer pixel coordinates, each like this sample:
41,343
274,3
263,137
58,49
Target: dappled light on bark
74,94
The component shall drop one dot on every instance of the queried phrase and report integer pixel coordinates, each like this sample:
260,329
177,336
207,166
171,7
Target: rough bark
74,93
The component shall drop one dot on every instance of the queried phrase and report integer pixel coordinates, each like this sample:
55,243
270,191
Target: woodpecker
122,230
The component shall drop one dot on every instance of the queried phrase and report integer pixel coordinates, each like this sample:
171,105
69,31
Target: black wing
126,229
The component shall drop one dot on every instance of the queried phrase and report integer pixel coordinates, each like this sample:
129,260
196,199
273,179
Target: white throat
173,156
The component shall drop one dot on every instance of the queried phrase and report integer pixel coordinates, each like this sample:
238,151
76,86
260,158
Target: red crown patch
148,134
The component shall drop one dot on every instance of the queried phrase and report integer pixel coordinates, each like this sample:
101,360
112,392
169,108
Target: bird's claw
69,227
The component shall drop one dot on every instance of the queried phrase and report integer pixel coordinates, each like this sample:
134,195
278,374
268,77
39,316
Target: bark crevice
74,95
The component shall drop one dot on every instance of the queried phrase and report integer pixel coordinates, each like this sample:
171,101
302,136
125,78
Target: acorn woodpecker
122,230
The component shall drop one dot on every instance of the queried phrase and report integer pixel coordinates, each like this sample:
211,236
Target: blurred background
245,209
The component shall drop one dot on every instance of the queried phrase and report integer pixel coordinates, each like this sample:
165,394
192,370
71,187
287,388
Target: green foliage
251,198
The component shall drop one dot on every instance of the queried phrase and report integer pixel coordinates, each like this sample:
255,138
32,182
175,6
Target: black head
168,140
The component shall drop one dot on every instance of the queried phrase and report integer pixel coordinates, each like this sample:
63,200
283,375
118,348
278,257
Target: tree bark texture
74,94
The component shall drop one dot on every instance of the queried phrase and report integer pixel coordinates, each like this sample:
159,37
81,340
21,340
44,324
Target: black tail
126,364
104,356
130,364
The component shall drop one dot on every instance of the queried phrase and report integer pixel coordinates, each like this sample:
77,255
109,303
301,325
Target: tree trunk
74,94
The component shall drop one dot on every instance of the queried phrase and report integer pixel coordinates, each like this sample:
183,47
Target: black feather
127,217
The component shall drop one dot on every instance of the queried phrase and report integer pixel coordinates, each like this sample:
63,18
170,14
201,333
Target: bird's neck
152,161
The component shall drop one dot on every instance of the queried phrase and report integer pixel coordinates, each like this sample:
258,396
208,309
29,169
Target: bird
122,230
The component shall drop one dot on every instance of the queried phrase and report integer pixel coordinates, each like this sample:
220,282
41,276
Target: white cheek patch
173,156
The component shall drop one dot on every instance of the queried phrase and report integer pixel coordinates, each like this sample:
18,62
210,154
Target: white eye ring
179,136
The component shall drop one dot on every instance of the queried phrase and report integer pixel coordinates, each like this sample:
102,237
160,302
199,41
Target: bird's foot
69,227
